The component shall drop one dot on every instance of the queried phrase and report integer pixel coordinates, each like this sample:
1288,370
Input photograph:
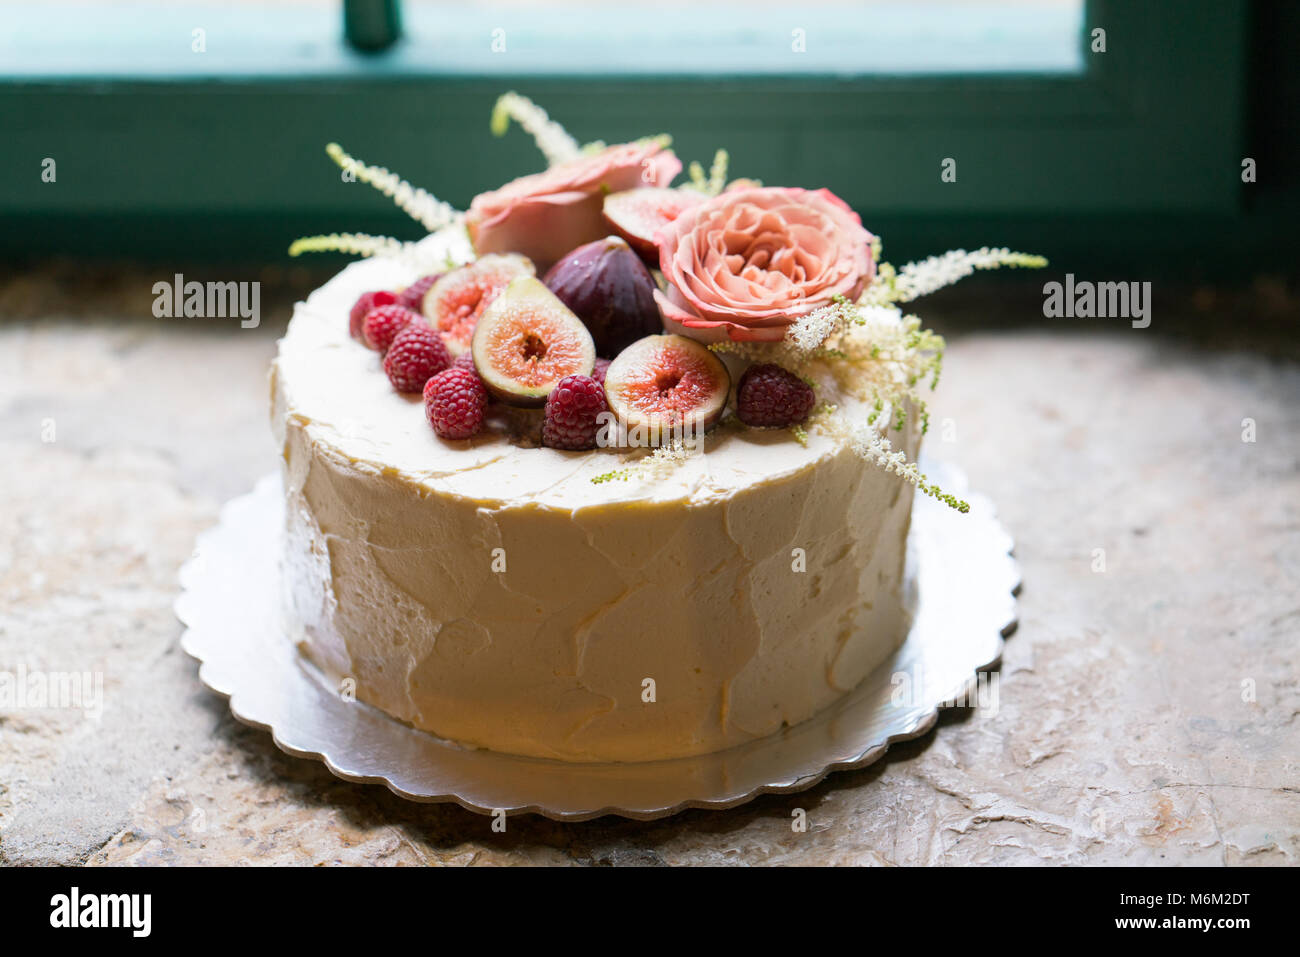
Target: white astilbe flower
716,181
355,244
922,278
552,139
879,319
425,208
659,464
418,257
718,172
812,330
782,353
664,460
867,442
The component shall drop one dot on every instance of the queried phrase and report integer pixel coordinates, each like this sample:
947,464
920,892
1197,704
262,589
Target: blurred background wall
196,131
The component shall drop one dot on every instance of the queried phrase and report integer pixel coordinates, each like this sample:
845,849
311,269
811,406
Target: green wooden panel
1152,129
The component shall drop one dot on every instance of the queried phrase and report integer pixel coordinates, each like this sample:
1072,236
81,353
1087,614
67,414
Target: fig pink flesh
526,341
533,349
667,380
456,301
637,214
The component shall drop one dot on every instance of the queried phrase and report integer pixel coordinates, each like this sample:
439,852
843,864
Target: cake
465,554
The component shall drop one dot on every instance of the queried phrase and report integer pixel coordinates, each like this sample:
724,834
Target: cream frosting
492,594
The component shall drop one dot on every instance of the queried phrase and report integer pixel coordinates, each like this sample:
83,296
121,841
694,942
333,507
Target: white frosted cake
687,579
641,499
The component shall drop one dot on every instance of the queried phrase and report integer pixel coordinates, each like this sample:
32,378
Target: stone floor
1150,701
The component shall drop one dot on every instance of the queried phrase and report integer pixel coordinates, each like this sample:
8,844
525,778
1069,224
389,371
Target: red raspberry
770,395
383,324
412,297
362,307
454,401
465,361
415,357
598,373
571,411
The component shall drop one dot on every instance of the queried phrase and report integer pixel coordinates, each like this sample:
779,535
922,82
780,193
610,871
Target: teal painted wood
1151,128
1188,247
371,25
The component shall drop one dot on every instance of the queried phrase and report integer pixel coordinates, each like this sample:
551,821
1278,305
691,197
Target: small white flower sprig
716,181
918,279
422,206
551,138
657,465
871,445
354,244
878,354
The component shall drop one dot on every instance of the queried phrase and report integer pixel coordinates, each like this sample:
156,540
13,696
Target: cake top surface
334,386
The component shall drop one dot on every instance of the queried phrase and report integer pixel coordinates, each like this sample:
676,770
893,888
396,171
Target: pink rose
547,214
748,263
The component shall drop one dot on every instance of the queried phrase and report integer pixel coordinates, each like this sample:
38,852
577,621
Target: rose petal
545,215
543,228
755,259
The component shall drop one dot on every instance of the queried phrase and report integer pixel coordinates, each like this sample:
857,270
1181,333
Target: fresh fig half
637,214
609,288
454,303
666,387
526,341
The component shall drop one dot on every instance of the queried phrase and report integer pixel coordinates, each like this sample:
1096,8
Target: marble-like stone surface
1149,712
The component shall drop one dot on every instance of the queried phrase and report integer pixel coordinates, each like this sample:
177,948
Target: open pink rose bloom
547,214
746,264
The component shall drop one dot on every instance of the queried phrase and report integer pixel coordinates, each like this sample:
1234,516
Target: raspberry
770,395
383,324
412,297
465,361
361,308
415,357
454,401
598,373
571,411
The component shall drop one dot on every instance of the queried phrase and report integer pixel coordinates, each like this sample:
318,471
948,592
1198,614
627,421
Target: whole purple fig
609,288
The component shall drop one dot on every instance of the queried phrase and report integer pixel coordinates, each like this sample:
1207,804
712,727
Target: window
759,37
1058,146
